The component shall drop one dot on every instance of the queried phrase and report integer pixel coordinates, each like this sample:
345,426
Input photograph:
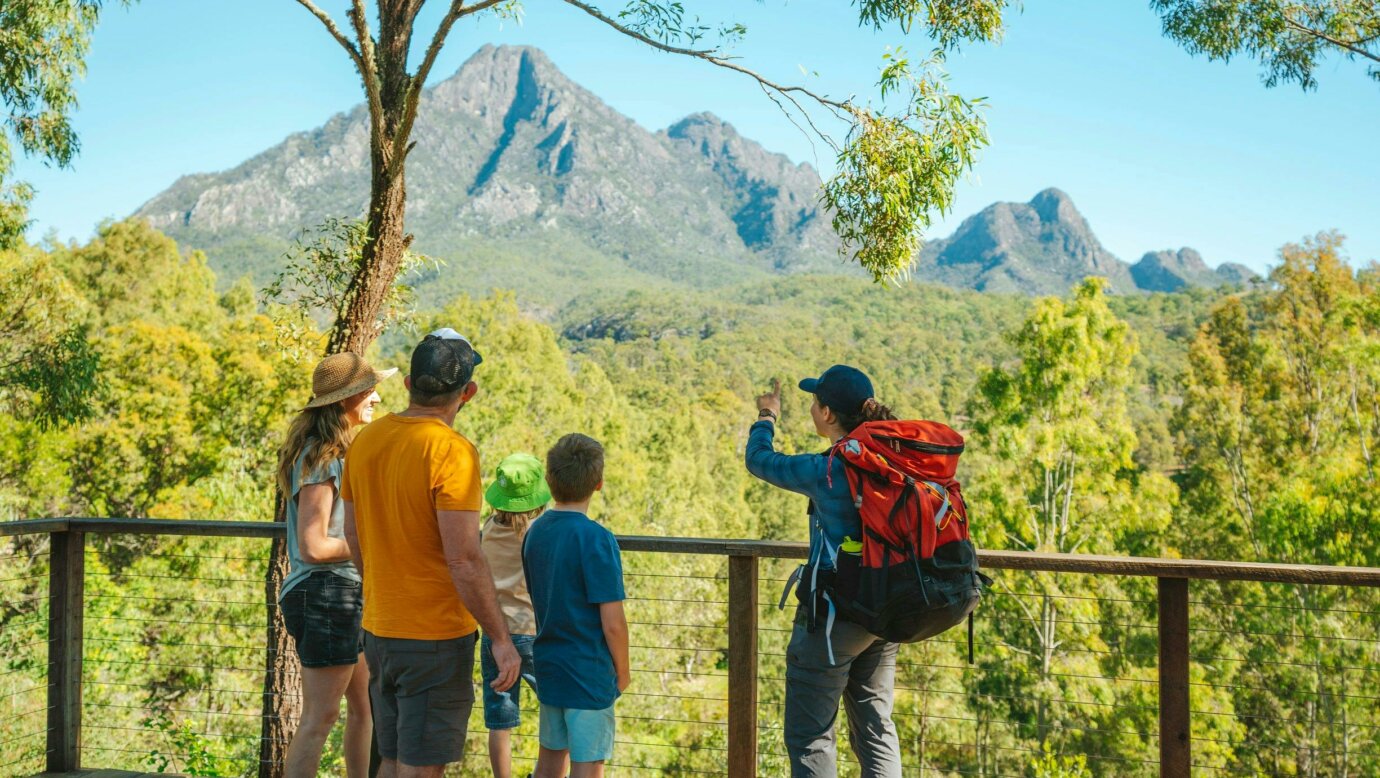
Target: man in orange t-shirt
412,498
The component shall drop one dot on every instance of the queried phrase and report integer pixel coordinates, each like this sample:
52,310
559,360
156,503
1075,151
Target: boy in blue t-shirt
575,576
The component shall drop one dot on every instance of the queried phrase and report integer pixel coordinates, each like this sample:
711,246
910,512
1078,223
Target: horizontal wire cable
179,599
177,621
255,692
1293,608
161,646
149,576
1283,663
1247,687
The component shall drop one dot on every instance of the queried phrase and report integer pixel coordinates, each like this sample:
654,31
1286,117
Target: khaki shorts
422,695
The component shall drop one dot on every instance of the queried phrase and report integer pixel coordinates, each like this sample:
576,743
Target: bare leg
426,771
587,769
501,753
388,768
322,688
550,763
359,725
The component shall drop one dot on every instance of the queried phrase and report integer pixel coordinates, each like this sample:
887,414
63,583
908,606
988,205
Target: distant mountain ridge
523,179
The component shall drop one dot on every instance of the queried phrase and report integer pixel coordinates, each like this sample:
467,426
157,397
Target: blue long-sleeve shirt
832,512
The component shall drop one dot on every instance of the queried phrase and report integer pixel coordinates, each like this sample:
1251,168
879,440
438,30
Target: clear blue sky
1157,149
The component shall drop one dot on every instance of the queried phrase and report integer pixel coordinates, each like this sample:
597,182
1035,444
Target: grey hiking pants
863,674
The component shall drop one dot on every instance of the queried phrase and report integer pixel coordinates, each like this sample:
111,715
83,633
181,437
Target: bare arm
352,537
469,572
615,624
317,547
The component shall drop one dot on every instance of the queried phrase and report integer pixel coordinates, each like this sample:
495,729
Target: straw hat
343,375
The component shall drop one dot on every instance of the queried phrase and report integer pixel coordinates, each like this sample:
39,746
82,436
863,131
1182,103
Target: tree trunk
359,325
381,258
282,704
386,240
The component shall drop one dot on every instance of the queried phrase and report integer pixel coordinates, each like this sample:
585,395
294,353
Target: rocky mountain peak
1043,246
513,157
1170,271
774,199
1055,206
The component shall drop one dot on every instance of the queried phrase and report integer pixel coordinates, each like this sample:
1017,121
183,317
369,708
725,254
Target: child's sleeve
603,571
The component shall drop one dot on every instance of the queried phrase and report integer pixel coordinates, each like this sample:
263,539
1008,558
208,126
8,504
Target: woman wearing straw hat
322,597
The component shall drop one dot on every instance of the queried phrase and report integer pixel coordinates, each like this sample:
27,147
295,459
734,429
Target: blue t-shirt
572,565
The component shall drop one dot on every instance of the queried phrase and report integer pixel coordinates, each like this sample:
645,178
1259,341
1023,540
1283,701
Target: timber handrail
1088,564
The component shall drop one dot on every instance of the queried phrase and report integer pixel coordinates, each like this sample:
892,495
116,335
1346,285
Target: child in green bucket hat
517,495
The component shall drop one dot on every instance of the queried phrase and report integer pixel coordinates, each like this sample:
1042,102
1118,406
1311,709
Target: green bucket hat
520,485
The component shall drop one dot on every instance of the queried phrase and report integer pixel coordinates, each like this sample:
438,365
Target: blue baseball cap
843,389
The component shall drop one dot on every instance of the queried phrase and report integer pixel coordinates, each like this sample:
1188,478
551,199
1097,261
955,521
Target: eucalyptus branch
418,81
457,9
1351,47
790,117
370,72
709,55
335,32
483,6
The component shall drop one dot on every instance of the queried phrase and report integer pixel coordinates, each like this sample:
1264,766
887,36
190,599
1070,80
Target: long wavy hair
871,411
324,433
518,521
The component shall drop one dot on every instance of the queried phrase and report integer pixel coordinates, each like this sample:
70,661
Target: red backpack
916,574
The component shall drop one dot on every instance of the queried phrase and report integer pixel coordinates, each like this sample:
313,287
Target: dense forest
1228,424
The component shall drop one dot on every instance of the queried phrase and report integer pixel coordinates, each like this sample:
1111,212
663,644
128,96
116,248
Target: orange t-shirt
399,471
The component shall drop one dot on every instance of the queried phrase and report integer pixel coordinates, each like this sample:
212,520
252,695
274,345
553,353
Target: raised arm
314,543
469,572
801,473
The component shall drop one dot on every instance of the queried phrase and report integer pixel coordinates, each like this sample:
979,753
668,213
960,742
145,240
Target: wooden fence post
742,666
1175,744
66,587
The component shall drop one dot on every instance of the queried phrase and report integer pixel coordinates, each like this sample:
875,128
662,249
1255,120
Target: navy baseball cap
842,388
443,362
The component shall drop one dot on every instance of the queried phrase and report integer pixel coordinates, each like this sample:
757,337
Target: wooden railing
66,608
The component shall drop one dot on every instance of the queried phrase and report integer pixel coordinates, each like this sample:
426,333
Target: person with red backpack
889,562
863,668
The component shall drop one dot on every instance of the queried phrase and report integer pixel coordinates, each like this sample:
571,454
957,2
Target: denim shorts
322,614
586,734
503,710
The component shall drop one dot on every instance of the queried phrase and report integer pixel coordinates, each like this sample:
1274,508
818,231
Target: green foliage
43,44
1053,765
317,277
950,22
188,751
1277,428
131,271
48,368
1059,430
1290,38
897,172
1077,411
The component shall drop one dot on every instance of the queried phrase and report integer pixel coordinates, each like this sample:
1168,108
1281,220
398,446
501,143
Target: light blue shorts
586,734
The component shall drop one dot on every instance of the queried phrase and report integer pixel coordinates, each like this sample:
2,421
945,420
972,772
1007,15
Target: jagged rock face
1235,274
510,147
773,202
1041,247
518,171
1171,271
